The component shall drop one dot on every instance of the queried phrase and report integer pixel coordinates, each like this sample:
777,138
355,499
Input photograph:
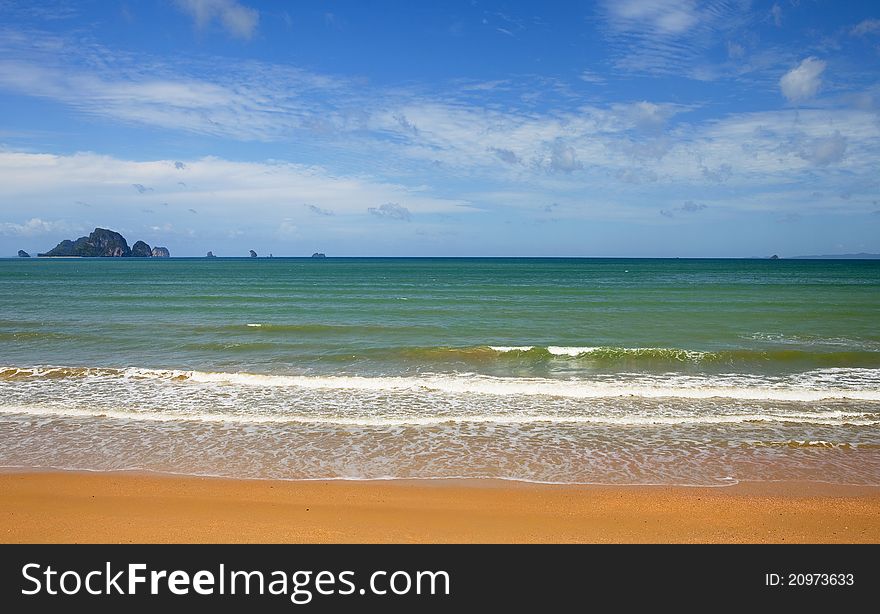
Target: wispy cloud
505,155
823,151
319,211
141,189
244,100
688,207
563,158
238,20
46,10
717,175
391,211
656,16
776,14
588,76
577,154
224,187
868,26
667,36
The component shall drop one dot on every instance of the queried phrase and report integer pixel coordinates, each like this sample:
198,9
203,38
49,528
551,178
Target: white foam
255,325
578,389
511,348
817,385
558,350
832,418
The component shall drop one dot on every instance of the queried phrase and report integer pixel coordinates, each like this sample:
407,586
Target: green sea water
560,370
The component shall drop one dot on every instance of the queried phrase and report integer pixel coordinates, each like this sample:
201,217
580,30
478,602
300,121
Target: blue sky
620,128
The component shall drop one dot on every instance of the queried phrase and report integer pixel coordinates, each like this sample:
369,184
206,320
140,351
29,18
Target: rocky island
104,243
253,254
141,250
23,254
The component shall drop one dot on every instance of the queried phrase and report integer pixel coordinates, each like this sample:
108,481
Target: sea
573,371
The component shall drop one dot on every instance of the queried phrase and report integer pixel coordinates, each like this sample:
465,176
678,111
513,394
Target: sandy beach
126,507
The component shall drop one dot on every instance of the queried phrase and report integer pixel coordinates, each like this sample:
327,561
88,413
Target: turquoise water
621,371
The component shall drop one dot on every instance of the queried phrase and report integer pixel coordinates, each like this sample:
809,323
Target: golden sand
125,507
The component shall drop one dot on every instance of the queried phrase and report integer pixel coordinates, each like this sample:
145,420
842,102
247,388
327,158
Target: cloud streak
237,20
665,37
319,211
225,188
391,211
868,26
688,207
36,227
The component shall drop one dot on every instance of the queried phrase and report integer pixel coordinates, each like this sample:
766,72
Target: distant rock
161,252
66,248
774,257
23,254
210,255
860,256
253,254
141,250
100,243
319,255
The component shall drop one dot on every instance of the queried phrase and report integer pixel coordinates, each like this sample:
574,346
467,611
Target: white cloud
629,149
238,20
803,82
36,227
868,26
219,188
645,115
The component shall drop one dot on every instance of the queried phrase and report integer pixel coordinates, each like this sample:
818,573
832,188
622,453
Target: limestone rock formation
100,243
141,250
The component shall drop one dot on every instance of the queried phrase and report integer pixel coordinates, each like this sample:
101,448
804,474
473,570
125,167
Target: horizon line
850,256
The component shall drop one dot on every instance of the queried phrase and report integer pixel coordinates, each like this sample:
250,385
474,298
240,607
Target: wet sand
39,507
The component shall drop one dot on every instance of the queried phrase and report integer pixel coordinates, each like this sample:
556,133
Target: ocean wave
813,444
816,385
611,356
832,418
814,340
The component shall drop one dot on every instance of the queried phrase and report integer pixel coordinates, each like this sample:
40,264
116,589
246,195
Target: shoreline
51,506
